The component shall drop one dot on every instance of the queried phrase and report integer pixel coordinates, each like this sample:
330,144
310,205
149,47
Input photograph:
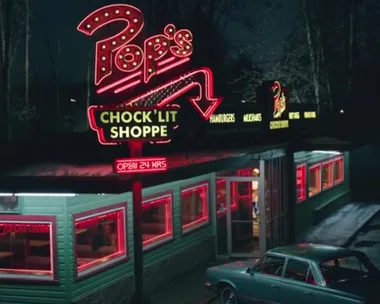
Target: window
27,248
314,179
271,265
299,271
157,220
345,268
194,207
338,170
327,175
100,238
301,182
221,198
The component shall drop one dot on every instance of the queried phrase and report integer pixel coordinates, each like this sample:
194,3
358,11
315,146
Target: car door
298,284
264,281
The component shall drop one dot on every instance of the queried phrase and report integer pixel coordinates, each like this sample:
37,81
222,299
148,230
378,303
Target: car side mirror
249,271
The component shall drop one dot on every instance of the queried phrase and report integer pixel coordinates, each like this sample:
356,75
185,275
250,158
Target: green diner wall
314,209
68,289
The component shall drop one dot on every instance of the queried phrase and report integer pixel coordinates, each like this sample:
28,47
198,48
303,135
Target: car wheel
228,296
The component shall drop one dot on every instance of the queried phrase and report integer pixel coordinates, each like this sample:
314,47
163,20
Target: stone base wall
118,293
156,275
179,263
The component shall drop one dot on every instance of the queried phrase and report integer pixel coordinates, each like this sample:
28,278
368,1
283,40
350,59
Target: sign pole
138,297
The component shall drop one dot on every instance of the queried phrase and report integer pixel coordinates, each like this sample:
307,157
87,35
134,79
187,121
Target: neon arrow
205,103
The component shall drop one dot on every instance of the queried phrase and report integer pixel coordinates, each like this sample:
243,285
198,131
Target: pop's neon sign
121,64
158,54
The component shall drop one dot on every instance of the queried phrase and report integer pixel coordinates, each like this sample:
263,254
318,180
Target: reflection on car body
303,273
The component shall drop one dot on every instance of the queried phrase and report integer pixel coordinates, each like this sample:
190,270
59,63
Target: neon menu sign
121,63
24,228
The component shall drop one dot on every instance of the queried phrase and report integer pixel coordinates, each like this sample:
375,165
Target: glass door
245,232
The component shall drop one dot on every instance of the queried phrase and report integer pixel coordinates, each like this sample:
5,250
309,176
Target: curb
207,301
351,239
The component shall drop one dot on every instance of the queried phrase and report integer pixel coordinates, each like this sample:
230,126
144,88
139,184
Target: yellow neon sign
222,118
294,115
252,117
310,114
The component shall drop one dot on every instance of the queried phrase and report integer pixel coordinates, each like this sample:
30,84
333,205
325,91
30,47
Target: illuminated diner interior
83,240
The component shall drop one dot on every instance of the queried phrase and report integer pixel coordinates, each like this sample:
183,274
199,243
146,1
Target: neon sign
140,165
310,114
252,117
121,64
118,124
117,54
223,118
24,228
279,107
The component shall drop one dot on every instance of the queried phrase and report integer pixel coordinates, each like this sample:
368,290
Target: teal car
303,273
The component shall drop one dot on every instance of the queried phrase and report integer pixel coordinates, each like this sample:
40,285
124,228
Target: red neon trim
339,161
163,200
203,190
301,182
172,66
116,83
127,86
138,161
106,47
118,215
330,171
206,92
166,61
316,169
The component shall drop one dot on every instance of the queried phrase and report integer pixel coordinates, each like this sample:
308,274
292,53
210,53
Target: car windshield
347,268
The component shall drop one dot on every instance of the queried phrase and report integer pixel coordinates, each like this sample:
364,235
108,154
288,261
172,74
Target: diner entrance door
240,223
246,233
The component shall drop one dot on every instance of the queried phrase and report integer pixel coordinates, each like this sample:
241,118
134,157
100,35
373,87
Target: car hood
365,288
237,266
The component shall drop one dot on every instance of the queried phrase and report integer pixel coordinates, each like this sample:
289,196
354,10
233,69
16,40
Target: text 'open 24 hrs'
140,165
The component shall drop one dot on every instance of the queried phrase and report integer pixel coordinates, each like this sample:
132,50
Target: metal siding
42,293
336,196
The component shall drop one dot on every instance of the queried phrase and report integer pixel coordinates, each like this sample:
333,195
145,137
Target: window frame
336,160
310,269
203,223
263,259
311,167
304,180
36,219
81,275
331,163
154,197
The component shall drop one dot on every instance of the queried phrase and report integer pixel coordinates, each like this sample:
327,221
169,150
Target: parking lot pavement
368,240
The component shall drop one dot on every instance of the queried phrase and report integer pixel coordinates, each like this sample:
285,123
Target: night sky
52,17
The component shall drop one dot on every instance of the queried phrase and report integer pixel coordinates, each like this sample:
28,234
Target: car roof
315,252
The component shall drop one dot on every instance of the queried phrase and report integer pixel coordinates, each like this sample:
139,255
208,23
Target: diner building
77,246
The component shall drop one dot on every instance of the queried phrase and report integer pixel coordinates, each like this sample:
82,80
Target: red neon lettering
129,58
106,47
24,228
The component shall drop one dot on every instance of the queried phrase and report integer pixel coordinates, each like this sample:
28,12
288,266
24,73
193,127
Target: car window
271,265
299,271
343,269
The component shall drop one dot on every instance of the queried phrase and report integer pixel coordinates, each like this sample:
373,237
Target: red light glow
205,103
99,239
339,170
315,184
221,185
160,228
145,61
327,175
140,165
27,249
301,182
192,197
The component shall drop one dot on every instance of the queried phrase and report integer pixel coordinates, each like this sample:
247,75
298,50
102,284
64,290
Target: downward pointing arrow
205,103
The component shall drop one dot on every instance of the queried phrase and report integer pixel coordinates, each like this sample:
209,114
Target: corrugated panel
47,293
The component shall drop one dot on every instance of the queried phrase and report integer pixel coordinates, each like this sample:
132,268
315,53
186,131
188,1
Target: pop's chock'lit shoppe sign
124,124
122,64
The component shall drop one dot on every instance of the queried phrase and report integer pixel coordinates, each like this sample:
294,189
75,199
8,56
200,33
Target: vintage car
303,273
